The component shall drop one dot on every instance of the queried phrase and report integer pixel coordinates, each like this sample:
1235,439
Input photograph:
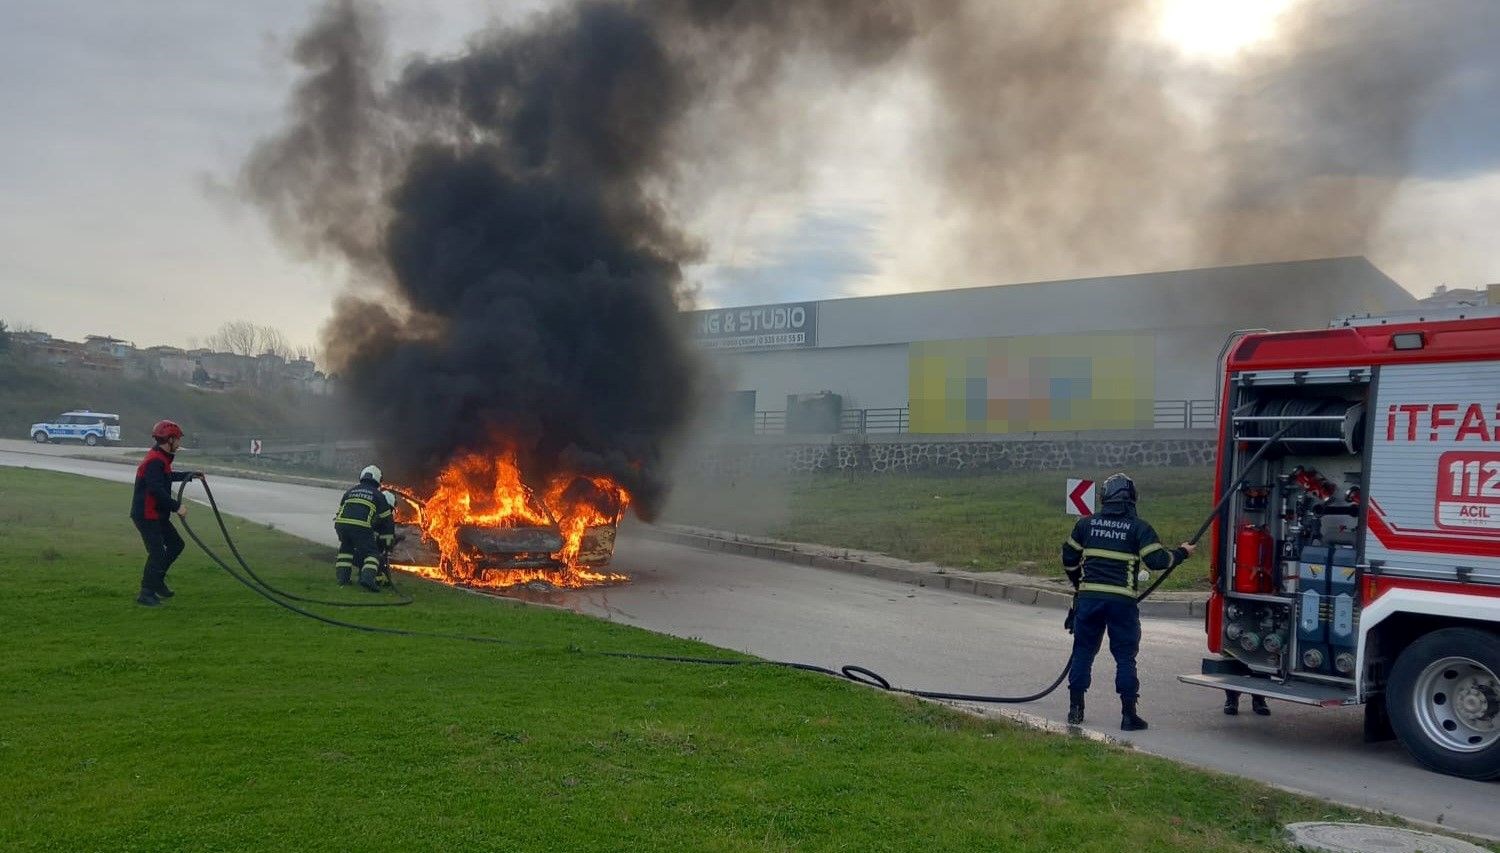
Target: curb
1008,587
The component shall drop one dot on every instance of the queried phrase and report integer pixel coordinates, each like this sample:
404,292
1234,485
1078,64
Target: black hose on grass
401,598
850,672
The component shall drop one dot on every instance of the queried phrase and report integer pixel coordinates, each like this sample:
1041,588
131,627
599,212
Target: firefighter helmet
371,472
1118,489
165,430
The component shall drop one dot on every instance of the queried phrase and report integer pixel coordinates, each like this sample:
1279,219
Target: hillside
30,393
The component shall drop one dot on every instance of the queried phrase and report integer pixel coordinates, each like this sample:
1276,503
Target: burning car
483,526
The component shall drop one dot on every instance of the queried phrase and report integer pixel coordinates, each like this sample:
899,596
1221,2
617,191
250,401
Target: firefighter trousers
357,551
163,545
1120,617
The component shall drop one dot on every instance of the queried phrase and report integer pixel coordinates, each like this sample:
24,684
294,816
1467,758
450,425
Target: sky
124,124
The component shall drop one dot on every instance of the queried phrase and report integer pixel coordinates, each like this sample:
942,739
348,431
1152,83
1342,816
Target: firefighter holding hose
152,507
1102,559
363,522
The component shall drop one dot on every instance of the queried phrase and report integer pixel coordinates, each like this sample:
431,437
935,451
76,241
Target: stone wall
912,454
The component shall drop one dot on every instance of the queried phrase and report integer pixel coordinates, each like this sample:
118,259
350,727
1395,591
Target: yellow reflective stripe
362,502
1122,556
1106,587
1152,548
1072,544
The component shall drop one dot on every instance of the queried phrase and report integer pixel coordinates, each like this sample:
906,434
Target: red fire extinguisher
1252,559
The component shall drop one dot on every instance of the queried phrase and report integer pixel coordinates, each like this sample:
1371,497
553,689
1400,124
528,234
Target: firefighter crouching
1102,559
363,518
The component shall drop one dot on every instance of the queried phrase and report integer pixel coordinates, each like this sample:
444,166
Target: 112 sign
1468,492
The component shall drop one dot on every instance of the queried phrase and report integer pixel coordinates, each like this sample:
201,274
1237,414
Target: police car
87,427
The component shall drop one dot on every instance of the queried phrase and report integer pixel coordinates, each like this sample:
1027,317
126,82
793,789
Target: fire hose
849,672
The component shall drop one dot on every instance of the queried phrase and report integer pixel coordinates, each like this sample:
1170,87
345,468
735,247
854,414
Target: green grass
978,522
219,722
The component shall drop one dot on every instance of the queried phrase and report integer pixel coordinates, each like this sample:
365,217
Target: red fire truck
1357,561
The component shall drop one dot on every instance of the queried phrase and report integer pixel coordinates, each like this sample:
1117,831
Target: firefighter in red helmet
151,508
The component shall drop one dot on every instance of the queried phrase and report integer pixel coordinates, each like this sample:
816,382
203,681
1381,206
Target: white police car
87,427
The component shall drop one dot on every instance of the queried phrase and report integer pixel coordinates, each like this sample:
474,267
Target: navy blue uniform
364,522
1102,558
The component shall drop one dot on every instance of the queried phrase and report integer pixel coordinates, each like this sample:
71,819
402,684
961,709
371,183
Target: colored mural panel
1055,383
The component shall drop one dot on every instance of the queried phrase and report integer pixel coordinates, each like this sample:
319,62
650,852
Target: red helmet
165,430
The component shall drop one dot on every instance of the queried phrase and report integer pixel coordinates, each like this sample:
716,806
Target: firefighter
151,508
1232,704
363,516
1102,559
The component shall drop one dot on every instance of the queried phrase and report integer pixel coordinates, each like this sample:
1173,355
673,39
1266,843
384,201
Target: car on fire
482,548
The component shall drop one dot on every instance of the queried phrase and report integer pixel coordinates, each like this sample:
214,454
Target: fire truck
1356,561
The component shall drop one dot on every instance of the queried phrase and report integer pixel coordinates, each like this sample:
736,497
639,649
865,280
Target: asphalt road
937,640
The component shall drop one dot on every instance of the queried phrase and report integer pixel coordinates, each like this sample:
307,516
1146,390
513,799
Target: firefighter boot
343,573
1258,705
147,598
161,589
1130,721
367,579
1232,702
1075,707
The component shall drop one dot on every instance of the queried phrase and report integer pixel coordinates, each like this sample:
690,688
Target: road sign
254,447
1080,499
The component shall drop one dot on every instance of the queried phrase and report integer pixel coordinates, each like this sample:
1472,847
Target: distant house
1458,297
169,362
105,346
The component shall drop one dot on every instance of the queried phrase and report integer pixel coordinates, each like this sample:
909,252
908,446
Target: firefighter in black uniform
364,517
152,507
1102,559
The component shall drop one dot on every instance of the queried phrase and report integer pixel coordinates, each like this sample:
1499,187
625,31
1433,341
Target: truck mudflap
1300,692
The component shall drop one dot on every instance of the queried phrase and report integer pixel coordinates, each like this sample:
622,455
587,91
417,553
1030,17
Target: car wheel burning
483,526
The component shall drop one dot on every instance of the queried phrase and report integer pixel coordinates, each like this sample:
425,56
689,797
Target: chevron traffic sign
1080,498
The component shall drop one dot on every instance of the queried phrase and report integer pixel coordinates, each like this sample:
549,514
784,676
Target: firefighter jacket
365,506
154,477
1105,551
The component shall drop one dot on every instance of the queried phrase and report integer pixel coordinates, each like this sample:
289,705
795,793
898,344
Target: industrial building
1119,352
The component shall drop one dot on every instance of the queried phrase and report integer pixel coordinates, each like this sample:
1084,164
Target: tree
243,337
272,341
237,336
4,337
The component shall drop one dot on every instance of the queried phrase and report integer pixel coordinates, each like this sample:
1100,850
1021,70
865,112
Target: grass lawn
219,722
979,522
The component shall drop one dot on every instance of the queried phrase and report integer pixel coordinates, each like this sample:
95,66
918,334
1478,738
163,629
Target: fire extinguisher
1253,548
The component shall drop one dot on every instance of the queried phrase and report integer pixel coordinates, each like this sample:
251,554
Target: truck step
1301,692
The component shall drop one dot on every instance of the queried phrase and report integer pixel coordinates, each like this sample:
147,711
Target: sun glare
1218,29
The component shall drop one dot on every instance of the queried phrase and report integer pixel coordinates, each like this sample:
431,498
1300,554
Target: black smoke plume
514,215
507,213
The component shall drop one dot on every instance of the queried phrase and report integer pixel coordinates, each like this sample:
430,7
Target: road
937,640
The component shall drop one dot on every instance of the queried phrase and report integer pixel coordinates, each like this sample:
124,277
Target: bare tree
237,336
4,337
271,340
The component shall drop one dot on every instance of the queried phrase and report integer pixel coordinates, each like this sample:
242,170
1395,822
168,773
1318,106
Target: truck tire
1444,702
91,440
39,437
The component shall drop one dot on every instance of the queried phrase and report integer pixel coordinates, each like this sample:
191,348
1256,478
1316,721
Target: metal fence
1184,414
1167,414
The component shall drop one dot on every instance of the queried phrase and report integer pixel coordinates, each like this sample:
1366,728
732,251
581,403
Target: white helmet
370,471
390,499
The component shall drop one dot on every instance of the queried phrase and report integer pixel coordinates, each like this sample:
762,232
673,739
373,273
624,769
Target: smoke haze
517,217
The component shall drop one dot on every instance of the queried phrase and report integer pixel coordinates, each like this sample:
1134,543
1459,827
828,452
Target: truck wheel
1444,702
91,440
39,437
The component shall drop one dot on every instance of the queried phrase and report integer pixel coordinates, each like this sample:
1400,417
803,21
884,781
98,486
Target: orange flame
488,494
